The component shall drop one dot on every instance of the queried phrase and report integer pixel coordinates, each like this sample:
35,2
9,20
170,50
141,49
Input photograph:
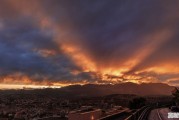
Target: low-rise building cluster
34,107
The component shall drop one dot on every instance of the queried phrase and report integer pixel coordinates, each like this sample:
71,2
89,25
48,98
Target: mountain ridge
123,88
94,90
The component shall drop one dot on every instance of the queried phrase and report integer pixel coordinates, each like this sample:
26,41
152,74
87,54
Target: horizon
26,87
61,43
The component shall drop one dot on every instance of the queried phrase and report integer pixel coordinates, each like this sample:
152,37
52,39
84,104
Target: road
160,114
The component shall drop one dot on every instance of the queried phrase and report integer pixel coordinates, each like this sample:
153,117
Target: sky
66,42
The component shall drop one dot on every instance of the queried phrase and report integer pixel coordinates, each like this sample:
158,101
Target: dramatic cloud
67,42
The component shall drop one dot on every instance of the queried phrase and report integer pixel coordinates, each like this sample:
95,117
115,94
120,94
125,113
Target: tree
175,93
137,103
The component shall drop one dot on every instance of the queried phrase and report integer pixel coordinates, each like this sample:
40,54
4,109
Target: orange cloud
112,70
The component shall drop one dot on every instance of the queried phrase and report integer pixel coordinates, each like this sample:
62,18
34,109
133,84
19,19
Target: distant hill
123,88
93,90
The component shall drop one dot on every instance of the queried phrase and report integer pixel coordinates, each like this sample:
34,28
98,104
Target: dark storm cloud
115,30
109,32
166,53
19,45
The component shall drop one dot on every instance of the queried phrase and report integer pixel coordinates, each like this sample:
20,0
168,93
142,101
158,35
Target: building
85,113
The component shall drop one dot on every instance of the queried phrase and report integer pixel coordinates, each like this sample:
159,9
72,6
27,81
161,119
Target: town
29,105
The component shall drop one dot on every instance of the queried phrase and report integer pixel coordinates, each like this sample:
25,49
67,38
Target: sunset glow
56,44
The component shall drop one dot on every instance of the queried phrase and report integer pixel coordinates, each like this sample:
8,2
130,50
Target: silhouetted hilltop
123,88
92,90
